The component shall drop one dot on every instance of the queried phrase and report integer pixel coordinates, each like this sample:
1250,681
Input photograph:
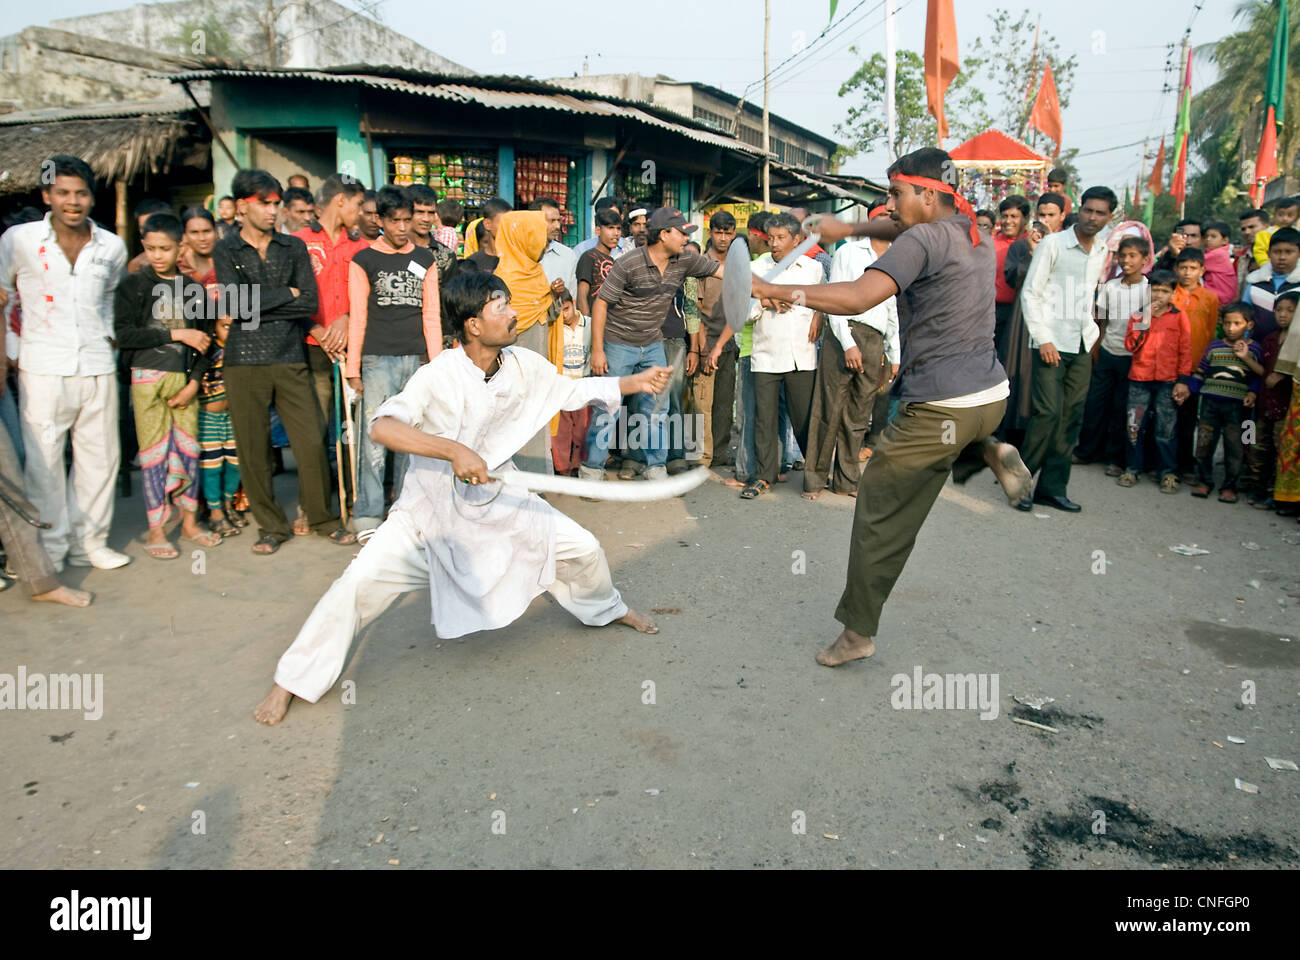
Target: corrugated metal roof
838,185
158,107
504,93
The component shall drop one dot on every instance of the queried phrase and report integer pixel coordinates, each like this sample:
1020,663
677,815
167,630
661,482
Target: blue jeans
648,432
9,422
1152,400
381,378
746,451
675,352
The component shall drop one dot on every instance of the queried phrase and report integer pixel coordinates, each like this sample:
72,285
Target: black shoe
1060,503
1026,504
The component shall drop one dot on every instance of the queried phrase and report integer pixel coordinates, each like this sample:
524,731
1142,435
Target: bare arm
832,229
598,363
849,299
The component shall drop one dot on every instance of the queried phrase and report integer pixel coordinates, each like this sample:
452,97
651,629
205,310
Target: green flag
1128,201
835,2
1275,92
1149,209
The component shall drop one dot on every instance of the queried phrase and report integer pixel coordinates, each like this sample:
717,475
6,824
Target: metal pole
767,162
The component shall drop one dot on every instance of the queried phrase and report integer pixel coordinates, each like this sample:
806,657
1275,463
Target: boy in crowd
595,263
1056,183
784,353
450,214
218,459
1202,310
1104,411
424,220
569,445
1285,213
985,219
393,328
1227,378
713,387
167,361
226,222
1220,272
1279,275
143,211
368,226
1159,340
1252,222
1271,408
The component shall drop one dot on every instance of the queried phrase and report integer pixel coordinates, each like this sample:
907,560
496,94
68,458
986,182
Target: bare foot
272,710
811,494
639,621
66,596
732,482
301,526
847,646
1004,460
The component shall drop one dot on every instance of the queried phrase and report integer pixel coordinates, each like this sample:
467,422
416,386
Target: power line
803,51
802,70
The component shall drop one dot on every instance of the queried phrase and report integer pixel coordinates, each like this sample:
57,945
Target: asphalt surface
532,746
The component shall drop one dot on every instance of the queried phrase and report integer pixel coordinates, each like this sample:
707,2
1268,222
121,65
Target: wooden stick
1040,726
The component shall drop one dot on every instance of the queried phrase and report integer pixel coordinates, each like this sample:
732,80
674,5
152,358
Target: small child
569,445
1220,272
1227,379
1278,275
1271,410
218,461
1159,338
450,213
168,359
594,264
1103,435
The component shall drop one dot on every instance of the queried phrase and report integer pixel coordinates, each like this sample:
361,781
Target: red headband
266,199
963,205
878,211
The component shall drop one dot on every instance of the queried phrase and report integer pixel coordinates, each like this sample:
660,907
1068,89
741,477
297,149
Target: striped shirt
1221,373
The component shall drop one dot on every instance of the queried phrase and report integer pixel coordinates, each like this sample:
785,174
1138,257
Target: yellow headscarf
471,236
521,241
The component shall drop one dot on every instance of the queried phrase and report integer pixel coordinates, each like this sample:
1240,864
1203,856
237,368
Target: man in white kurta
484,549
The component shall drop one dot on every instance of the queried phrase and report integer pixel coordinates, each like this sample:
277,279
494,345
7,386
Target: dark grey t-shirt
638,296
945,311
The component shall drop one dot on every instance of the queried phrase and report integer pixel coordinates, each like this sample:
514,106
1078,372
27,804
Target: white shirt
577,348
1059,291
848,263
560,263
491,549
1117,301
67,310
781,339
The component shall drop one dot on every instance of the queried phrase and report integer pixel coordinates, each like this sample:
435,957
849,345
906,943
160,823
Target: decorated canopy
994,165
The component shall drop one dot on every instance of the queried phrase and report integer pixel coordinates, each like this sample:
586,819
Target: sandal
267,545
755,489
342,536
223,527
235,516
1227,496
203,539
162,551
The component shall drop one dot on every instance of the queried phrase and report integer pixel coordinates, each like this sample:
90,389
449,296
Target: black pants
1058,394
251,391
1186,434
767,402
1104,430
842,404
723,413
1220,417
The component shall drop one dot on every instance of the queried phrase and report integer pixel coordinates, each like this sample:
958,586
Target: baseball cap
666,217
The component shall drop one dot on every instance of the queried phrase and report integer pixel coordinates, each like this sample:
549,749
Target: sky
1116,103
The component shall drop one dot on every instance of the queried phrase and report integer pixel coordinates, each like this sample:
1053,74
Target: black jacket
269,321
146,309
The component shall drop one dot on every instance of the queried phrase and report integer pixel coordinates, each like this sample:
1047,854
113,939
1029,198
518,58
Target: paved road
533,746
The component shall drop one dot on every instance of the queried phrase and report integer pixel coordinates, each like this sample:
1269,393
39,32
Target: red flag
1046,115
941,64
1266,161
1157,181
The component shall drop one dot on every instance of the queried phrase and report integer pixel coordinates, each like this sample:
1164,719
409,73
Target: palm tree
1227,117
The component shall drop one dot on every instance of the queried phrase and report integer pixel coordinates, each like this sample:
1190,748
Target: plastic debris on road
1183,550
1245,787
1277,764
1250,544
1236,740
1034,702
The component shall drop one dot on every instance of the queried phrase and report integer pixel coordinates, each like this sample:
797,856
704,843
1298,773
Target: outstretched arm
874,287
403,438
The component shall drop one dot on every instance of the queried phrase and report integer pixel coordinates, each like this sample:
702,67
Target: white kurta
491,549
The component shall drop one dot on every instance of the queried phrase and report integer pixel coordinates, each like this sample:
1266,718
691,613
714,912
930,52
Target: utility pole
767,164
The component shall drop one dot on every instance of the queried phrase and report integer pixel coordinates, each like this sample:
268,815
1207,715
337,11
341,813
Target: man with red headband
950,383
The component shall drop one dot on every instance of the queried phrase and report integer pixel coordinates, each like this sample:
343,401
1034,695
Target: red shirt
329,262
1165,354
1001,244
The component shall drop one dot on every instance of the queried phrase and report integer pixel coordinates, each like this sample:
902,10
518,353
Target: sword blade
637,492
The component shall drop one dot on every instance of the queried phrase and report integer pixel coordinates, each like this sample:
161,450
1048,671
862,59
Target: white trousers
394,562
77,505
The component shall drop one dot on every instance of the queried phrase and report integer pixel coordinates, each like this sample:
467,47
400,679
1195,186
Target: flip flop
341,536
755,489
162,551
203,539
224,527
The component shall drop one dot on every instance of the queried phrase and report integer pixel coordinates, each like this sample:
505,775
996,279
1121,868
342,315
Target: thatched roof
116,148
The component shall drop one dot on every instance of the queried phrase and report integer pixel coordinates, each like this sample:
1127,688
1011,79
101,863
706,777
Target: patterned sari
169,446
1286,488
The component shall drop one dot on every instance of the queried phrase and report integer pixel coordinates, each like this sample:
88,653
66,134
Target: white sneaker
655,473
102,558
590,473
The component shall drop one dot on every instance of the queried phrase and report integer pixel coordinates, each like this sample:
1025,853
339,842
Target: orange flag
1046,115
941,64
1156,182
